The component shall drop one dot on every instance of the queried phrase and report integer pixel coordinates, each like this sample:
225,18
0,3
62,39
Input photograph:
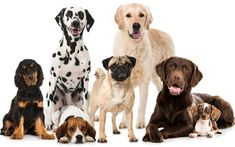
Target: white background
202,31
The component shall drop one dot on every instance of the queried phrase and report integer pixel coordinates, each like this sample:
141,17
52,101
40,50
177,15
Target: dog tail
99,73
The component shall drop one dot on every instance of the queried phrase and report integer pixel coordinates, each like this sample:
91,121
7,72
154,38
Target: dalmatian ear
90,20
59,18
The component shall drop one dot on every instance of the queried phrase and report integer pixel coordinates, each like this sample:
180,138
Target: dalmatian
71,65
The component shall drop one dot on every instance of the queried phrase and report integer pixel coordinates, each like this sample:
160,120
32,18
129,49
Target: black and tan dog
26,112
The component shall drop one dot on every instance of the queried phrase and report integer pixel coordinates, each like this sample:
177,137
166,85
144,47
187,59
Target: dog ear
90,20
119,18
71,116
90,130
40,74
132,59
215,113
19,81
106,62
149,17
161,69
61,130
196,76
194,112
59,18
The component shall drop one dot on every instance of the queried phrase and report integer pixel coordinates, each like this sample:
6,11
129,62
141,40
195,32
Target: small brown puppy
113,93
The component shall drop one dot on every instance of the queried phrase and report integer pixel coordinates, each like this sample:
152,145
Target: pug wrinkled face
119,67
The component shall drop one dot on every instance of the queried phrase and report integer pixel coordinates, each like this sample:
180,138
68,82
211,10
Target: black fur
29,94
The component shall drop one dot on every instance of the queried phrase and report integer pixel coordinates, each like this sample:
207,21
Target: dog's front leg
143,89
102,119
129,118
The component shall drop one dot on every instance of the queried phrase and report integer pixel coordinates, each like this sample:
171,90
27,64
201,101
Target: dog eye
69,14
72,129
127,65
141,15
113,67
172,66
81,15
128,15
208,110
82,128
185,68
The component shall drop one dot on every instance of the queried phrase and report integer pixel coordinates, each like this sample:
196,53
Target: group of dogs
140,55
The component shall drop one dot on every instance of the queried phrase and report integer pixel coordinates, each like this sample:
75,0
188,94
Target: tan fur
111,96
19,130
153,47
40,129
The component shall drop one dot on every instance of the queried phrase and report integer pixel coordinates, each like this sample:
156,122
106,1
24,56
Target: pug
113,93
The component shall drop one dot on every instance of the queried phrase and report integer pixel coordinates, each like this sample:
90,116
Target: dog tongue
174,90
136,35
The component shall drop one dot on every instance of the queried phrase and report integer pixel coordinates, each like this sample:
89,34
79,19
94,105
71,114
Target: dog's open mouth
135,35
75,31
175,89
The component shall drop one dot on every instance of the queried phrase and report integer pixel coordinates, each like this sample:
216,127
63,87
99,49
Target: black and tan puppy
26,112
113,93
174,102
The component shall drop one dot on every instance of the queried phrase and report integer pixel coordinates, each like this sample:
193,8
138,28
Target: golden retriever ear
90,130
196,76
215,113
118,17
61,130
149,17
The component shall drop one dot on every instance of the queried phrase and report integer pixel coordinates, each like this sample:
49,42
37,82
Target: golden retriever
148,46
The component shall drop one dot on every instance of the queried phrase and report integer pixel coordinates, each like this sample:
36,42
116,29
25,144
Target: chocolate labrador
172,114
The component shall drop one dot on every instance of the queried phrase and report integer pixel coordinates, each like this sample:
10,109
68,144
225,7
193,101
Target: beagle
75,127
205,117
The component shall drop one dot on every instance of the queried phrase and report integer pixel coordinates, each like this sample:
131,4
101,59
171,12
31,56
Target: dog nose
136,26
30,77
79,137
75,24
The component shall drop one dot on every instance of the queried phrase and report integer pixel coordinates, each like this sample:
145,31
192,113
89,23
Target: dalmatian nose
76,24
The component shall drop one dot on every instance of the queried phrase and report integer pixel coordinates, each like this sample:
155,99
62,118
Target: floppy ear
61,131
59,18
19,81
194,112
161,69
149,17
132,59
119,18
196,76
215,113
106,62
40,74
90,130
90,20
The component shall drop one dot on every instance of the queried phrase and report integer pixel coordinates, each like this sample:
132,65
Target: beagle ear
215,113
106,62
90,130
119,18
149,17
61,131
196,76
194,112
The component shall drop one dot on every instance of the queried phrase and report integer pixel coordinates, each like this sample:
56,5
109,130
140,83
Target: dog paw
102,140
146,138
122,125
47,136
210,134
89,139
193,135
140,125
17,136
64,140
133,139
116,132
